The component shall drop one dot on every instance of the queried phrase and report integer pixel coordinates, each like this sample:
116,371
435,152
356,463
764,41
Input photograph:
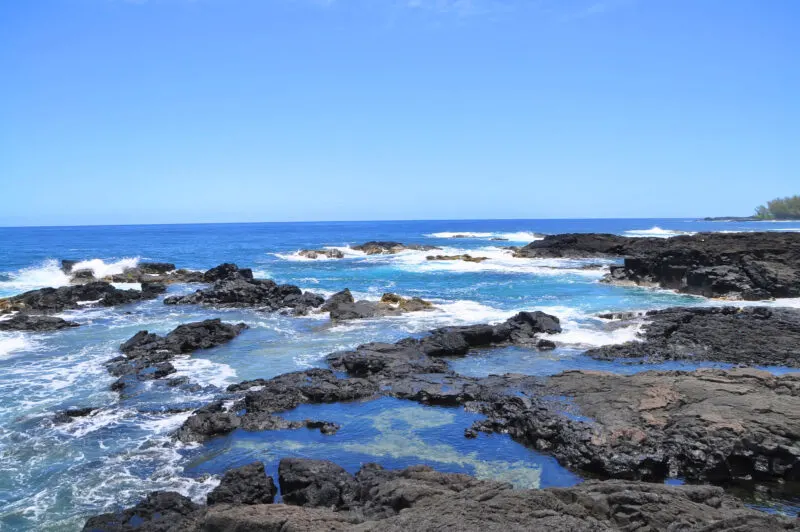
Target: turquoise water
53,476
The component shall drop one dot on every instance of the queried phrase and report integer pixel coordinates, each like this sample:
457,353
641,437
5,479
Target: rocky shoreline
749,266
319,495
630,433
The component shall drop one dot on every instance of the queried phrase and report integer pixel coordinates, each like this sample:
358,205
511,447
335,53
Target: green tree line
780,209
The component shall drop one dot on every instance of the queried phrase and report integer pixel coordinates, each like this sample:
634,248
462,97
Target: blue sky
161,111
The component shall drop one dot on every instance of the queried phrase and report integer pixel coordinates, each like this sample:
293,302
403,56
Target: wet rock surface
388,248
236,287
342,306
748,266
143,272
146,355
321,253
705,425
322,496
27,322
53,300
244,485
755,336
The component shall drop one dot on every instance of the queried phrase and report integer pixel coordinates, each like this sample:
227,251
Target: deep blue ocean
53,476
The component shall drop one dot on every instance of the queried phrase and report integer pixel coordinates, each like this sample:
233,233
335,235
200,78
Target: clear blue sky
151,111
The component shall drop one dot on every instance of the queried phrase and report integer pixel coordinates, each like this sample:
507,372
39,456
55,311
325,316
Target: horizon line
692,218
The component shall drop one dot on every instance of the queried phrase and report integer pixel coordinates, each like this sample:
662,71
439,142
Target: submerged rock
69,415
27,322
53,300
465,258
389,248
317,253
756,336
747,266
322,496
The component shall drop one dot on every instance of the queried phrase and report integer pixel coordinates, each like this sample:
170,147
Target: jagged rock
161,511
465,258
147,355
235,287
244,485
342,306
315,483
747,266
384,248
717,334
52,300
317,253
67,416
27,322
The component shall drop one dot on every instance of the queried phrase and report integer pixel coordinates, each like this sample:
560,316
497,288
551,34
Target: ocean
52,476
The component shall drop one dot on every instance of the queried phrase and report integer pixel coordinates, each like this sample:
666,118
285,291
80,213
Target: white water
519,236
657,232
49,274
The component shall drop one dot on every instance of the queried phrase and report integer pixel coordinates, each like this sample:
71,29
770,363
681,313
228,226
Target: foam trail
518,236
657,232
11,343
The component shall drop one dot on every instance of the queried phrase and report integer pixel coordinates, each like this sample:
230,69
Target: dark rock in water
27,322
341,306
156,268
317,253
315,483
545,345
620,315
83,276
244,485
388,248
147,355
339,298
756,336
227,271
322,496
747,266
52,300
161,511
707,425
66,265
67,416
235,287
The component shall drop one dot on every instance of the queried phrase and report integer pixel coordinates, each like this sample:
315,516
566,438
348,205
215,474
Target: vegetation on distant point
780,209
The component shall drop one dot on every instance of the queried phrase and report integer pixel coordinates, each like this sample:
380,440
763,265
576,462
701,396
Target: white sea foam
657,232
518,236
346,251
49,274
498,260
204,371
11,343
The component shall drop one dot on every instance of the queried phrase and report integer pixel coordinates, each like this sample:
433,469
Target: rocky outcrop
322,496
748,266
143,272
234,287
388,248
342,306
705,425
53,300
27,322
320,253
755,336
244,485
465,258
69,415
146,355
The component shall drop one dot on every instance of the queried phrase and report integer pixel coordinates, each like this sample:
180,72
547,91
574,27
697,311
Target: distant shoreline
744,219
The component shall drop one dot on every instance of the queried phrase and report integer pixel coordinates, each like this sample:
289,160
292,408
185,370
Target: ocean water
53,476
